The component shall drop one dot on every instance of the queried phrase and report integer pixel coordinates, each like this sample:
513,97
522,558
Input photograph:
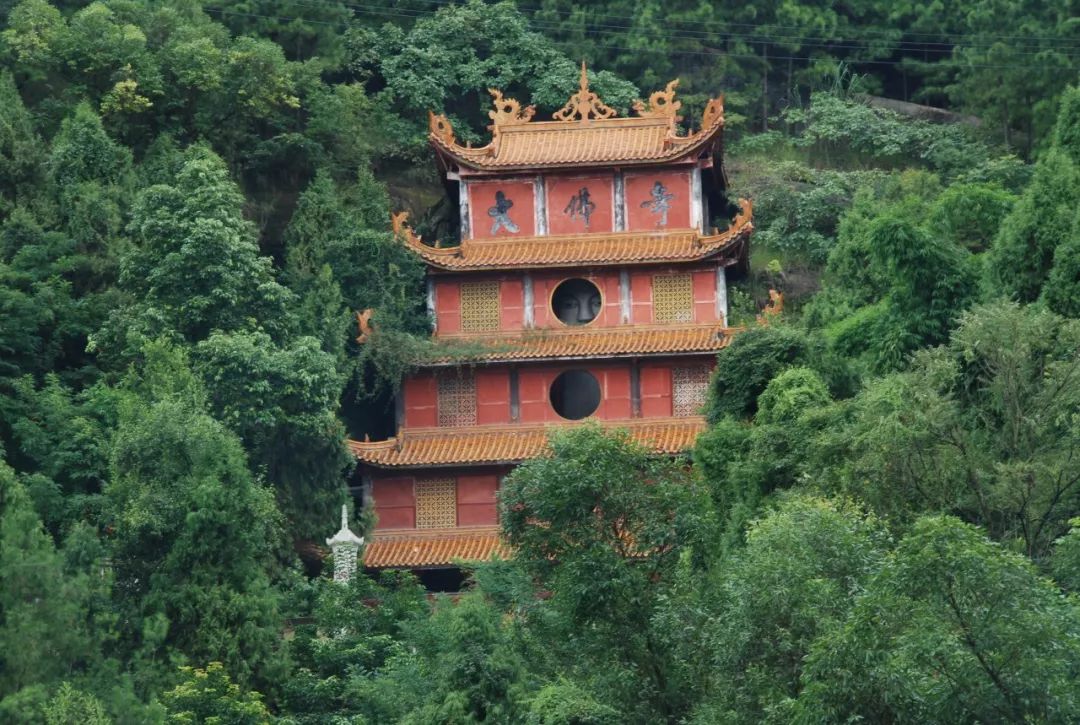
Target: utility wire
751,26
892,44
669,52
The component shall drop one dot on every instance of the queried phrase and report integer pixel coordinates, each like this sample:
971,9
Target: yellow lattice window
457,400
480,306
689,387
673,298
436,503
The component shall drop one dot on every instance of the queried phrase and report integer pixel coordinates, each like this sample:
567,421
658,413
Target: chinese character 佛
659,202
581,206
500,213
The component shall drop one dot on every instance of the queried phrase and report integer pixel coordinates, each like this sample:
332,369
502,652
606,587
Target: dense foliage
881,522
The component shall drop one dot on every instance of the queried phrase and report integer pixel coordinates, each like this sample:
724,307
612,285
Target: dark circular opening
576,301
575,394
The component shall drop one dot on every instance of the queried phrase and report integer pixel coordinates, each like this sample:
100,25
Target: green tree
195,266
210,696
929,282
282,402
971,214
1022,253
754,357
803,566
194,534
1066,559
953,629
22,159
1061,293
51,625
984,428
601,525
1036,249
72,707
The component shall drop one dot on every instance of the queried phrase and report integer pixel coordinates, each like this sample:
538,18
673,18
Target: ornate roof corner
507,112
713,114
584,104
440,128
662,104
773,309
363,321
399,222
745,217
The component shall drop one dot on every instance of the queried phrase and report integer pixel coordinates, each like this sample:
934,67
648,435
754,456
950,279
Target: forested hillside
882,522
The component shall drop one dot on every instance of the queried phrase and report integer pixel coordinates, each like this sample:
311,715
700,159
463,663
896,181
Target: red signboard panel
580,204
658,201
502,209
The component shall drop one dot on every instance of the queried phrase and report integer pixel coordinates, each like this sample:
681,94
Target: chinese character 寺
659,202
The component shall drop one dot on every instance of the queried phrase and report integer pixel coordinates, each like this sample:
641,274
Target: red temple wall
545,282
512,297
655,390
534,386
394,495
421,395
395,501
493,392
492,396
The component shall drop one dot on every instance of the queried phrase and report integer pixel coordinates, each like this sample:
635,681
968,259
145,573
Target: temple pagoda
594,284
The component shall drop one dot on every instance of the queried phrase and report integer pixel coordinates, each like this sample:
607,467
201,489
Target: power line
759,40
863,30
895,45
668,52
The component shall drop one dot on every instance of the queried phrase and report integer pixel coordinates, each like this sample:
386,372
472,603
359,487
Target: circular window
575,394
576,301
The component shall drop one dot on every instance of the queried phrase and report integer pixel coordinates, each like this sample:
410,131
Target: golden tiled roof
412,549
584,133
511,443
572,250
577,342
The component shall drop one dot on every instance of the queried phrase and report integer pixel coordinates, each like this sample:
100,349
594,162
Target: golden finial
584,104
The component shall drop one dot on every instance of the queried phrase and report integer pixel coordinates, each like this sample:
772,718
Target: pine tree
47,630
1026,248
22,158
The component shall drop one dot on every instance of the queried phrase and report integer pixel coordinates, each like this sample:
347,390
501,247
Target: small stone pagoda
589,266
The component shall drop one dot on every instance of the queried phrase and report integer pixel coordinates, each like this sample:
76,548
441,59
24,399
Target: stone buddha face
576,302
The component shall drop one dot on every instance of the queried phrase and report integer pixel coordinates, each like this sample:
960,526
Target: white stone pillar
721,294
345,545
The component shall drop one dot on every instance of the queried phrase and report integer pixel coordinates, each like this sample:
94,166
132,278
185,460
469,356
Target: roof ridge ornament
662,104
508,112
584,104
